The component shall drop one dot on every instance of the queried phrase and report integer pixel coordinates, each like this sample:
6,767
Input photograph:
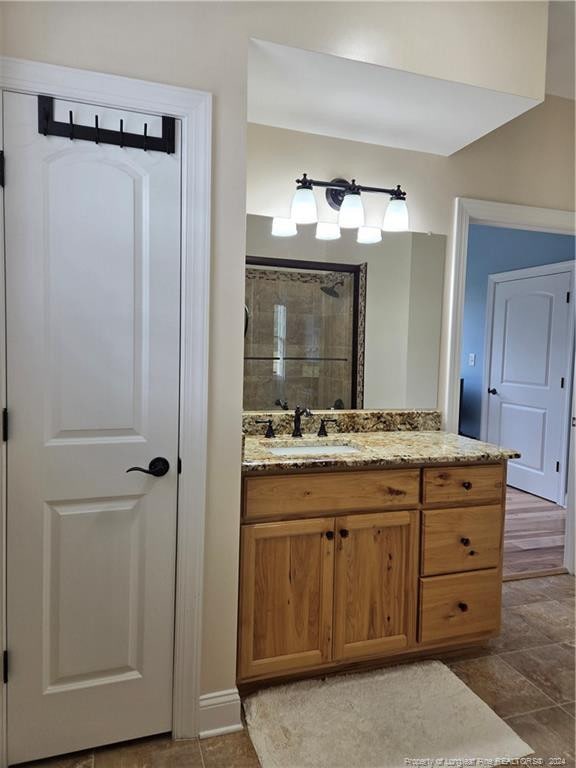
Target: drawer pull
344,533
463,607
467,485
465,541
329,535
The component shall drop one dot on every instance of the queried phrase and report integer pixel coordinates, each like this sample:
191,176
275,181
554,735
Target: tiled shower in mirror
304,335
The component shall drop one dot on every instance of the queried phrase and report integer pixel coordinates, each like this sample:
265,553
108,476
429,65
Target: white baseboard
220,713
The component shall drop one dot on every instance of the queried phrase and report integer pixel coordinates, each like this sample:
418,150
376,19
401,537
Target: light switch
472,359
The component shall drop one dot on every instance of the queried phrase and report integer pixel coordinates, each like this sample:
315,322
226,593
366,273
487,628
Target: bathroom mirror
338,324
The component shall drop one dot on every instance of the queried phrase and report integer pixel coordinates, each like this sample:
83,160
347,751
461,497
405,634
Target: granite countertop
374,449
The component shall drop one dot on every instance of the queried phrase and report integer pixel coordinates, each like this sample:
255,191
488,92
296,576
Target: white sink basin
312,450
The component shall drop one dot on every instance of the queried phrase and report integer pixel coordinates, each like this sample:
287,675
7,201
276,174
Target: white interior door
93,280
529,379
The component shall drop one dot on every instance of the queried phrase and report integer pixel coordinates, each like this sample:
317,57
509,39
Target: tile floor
526,675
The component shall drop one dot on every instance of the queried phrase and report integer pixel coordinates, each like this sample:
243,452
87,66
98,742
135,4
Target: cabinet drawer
454,485
308,495
463,539
459,605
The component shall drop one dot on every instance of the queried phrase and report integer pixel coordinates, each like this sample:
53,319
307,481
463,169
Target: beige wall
204,46
528,161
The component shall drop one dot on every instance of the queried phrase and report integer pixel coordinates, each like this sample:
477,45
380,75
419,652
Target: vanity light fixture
351,214
283,227
396,216
304,210
327,230
369,235
345,197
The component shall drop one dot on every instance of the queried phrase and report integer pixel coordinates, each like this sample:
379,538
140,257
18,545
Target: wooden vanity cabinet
375,584
327,589
287,576
367,565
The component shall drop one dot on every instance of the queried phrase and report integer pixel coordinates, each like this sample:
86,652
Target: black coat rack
71,130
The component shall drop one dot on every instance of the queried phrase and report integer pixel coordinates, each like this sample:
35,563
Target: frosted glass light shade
283,227
327,230
351,213
368,235
396,217
304,209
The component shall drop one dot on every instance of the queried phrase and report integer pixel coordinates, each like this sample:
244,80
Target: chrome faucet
298,413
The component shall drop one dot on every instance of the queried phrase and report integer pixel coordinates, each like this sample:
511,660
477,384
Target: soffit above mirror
329,95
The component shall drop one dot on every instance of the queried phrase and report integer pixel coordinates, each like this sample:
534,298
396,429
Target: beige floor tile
79,760
549,732
554,618
504,689
556,587
232,751
550,668
151,753
522,592
517,633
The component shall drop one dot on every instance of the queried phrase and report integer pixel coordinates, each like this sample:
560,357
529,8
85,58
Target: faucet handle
270,429
322,431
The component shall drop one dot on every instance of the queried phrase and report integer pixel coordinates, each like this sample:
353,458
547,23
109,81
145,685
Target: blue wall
490,250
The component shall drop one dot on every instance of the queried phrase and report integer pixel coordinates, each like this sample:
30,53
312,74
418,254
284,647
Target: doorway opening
516,379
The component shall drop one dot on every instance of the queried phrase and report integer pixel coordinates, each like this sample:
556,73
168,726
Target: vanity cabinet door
376,583
286,596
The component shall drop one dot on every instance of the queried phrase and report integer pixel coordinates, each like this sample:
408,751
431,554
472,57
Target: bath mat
392,718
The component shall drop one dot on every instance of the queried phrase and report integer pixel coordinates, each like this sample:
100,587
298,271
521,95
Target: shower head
330,290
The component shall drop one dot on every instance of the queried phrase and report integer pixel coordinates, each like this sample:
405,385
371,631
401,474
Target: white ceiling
332,96
561,50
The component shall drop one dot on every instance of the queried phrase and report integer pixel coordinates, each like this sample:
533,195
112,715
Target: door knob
157,467
492,391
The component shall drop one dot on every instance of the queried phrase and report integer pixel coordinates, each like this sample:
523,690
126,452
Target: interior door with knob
93,284
528,387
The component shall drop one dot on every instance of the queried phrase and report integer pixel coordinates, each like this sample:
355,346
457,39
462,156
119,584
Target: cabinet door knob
465,541
329,535
467,484
344,533
463,607
472,552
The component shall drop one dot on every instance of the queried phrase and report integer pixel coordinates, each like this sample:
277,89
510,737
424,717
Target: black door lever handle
157,467
492,391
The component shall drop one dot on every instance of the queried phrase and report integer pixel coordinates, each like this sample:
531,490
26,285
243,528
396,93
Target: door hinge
179,465
557,466
5,667
5,424
567,297
1,167
562,383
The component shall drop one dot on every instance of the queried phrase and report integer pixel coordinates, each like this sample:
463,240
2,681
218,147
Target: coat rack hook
97,128
145,136
71,125
122,133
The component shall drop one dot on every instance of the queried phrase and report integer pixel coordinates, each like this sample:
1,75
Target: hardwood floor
534,534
